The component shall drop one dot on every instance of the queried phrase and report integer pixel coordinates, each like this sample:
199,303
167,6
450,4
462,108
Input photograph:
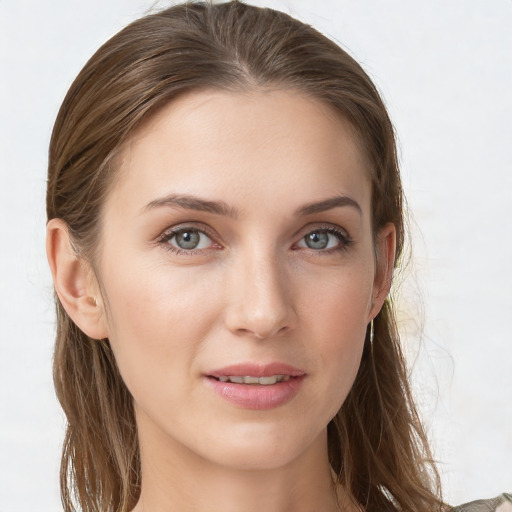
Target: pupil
188,239
317,240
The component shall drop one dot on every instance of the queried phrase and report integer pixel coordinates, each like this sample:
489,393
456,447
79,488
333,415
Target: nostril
264,335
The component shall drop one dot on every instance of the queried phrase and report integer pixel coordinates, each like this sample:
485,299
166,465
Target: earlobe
384,266
74,281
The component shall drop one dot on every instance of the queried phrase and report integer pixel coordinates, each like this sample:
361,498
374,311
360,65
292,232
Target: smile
248,379
256,386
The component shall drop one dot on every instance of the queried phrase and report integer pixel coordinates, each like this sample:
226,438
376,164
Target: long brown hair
377,445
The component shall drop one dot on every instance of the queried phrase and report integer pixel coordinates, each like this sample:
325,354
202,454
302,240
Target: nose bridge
260,298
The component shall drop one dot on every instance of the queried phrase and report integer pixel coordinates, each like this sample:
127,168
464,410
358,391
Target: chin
261,447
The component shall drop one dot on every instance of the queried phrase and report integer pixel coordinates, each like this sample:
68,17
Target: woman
225,214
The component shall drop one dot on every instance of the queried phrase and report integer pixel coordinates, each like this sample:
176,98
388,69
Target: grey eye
187,239
317,239
324,239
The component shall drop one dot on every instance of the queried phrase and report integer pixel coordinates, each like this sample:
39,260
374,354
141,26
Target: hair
377,445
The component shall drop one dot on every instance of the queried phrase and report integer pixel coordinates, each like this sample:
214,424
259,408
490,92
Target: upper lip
257,370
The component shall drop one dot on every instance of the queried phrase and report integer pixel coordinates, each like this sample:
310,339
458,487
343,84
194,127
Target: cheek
340,305
156,300
338,321
156,321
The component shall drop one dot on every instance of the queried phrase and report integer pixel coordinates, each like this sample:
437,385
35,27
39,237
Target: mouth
251,380
256,374
258,387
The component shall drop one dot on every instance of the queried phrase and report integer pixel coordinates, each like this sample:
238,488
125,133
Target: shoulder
502,503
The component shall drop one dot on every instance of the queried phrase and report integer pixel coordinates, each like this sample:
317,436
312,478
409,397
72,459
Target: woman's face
237,243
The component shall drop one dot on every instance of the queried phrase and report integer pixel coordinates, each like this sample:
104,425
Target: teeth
267,380
248,379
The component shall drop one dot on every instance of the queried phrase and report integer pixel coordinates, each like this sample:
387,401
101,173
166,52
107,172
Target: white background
445,71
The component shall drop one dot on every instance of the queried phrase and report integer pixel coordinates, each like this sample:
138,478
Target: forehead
242,147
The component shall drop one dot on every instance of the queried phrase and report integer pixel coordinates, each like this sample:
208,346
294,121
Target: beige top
502,503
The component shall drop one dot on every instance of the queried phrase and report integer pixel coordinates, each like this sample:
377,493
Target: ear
385,251
74,281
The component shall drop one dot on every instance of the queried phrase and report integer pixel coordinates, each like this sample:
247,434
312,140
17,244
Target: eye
186,239
325,239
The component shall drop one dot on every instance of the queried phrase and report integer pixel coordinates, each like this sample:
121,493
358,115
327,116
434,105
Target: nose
260,298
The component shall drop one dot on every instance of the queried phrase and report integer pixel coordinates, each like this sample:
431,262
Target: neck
174,478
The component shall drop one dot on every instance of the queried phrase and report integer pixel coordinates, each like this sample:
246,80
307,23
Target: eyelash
344,239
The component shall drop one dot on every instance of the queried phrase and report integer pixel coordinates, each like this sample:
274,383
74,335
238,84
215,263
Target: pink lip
257,397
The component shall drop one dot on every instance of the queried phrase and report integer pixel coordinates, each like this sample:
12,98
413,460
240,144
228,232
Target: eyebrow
328,204
190,202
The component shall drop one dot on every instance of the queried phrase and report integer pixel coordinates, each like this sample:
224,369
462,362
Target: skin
253,290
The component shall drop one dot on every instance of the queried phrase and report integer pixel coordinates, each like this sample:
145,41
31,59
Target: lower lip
257,397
